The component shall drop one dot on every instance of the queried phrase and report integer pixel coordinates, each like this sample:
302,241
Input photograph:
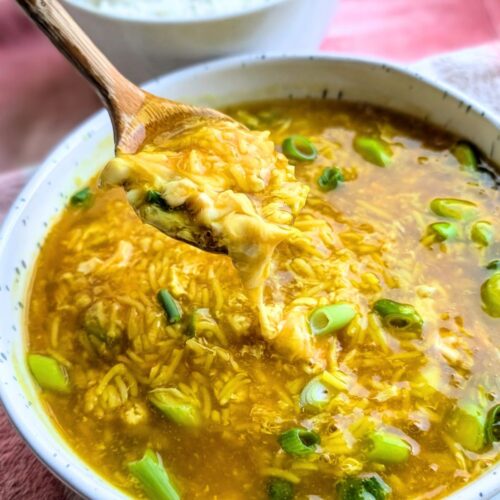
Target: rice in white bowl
172,9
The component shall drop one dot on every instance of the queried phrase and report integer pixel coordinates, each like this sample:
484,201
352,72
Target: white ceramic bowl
142,48
82,154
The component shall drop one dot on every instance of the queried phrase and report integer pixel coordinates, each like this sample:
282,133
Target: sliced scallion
155,198
49,373
493,425
154,479
300,442
453,208
373,150
482,233
493,265
81,197
443,231
490,295
176,406
170,306
299,148
330,178
465,154
365,487
397,316
387,448
331,318
280,489
315,395
466,425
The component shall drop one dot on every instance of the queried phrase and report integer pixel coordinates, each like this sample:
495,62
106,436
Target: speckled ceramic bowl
82,154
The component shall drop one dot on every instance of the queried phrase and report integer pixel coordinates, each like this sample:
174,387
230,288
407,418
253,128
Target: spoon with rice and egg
194,173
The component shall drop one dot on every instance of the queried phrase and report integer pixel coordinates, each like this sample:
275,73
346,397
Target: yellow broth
364,240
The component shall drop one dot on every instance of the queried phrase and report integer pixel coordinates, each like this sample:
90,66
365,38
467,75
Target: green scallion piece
387,448
300,442
493,425
315,395
482,233
373,150
280,489
490,295
329,319
81,197
154,479
399,317
155,198
443,231
453,208
465,154
170,306
299,148
176,406
365,487
466,425
330,178
493,265
49,373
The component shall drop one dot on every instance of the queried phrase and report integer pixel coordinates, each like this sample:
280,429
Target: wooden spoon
137,116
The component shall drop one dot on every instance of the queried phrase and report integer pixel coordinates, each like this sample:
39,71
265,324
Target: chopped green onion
465,154
482,233
298,147
329,319
387,448
81,197
373,150
366,487
493,425
170,306
176,406
49,374
330,178
155,198
300,442
149,471
467,426
399,317
494,265
443,231
454,208
280,489
490,294
314,396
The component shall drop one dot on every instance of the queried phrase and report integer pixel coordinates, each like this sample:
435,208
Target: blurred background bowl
144,47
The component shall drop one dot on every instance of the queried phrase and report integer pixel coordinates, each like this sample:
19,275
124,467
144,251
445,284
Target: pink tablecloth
475,71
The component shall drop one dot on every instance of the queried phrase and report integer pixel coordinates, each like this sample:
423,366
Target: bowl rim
150,19
96,122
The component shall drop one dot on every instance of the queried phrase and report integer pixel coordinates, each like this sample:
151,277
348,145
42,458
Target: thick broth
365,243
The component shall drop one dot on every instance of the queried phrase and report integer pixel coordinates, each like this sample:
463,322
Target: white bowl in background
144,47
81,155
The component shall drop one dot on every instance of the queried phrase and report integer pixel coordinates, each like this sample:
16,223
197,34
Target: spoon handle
121,97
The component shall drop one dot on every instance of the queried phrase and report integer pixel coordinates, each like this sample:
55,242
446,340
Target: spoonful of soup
194,173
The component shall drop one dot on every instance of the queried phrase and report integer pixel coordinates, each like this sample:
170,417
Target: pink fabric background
42,97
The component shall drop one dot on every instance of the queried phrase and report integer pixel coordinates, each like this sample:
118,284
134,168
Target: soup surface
393,282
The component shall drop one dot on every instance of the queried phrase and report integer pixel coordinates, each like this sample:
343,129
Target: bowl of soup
135,365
